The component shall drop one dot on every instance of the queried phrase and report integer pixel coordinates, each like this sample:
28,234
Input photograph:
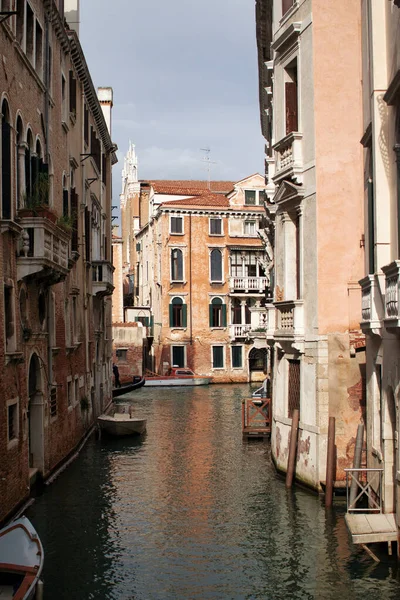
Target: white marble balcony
392,296
102,278
255,285
289,319
289,158
372,308
239,331
44,250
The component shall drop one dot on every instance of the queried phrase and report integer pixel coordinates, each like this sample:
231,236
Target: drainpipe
190,282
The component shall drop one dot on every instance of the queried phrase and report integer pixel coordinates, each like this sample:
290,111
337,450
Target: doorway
35,417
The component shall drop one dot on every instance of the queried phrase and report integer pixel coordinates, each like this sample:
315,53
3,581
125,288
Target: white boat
21,560
121,424
176,377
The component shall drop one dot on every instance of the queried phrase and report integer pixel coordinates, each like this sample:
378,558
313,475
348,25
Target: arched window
28,168
177,313
217,313
6,212
216,265
176,265
20,161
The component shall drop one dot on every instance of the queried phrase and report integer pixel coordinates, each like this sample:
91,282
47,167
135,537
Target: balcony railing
392,295
44,249
248,284
102,277
239,331
372,309
289,157
289,318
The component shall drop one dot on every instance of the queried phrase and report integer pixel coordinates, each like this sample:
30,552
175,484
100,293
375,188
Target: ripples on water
193,512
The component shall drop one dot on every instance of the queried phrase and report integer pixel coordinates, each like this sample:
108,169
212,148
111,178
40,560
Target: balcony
392,293
289,158
372,309
44,250
102,278
254,285
289,319
239,331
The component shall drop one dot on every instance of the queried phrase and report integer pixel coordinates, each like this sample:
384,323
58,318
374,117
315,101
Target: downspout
190,282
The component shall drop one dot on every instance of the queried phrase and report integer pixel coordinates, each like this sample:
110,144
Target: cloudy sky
184,75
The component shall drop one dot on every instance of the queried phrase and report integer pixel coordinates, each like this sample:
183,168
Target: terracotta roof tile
190,187
203,200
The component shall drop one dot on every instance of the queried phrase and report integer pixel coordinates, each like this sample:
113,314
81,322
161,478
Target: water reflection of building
55,247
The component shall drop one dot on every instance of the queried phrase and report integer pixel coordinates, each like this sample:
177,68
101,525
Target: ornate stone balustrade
289,318
102,278
289,158
392,296
372,309
248,284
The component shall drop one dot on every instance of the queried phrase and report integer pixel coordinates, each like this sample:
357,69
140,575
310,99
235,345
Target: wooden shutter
291,106
65,203
223,315
72,93
171,315
210,312
184,315
6,169
74,215
88,234
28,186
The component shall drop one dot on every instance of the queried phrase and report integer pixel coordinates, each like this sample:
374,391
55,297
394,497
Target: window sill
178,328
64,126
10,225
217,282
216,234
14,357
218,328
177,233
237,368
178,282
217,368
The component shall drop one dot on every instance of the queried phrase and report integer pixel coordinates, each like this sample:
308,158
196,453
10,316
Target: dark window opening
5,164
176,265
237,357
215,226
216,265
217,357
176,225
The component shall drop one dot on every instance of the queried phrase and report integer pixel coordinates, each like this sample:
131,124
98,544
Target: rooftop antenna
208,162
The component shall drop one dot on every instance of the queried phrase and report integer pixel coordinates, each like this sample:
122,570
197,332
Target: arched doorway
389,451
258,363
35,416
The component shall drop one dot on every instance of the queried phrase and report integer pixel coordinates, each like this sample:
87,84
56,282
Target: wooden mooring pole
292,448
330,463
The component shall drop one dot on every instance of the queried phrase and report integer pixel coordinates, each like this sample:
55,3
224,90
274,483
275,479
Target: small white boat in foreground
121,423
21,560
177,376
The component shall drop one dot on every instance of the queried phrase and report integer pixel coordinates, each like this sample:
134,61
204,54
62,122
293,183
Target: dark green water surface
194,512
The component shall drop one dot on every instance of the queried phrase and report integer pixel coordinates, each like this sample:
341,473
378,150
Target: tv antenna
207,160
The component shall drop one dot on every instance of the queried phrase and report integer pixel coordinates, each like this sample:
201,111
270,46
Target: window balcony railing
44,250
289,158
102,278
392,295
239,331
248,284
372,309
289,318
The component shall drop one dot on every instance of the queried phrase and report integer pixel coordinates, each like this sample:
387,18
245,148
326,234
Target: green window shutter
138,247
184,315
210,308
171,316
224,315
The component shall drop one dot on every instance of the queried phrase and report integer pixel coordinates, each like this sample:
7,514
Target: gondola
125,388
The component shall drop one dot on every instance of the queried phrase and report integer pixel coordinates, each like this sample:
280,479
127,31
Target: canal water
194,512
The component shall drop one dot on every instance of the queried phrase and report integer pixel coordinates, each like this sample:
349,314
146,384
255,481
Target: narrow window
215,226
72,94
250,228
30,33
6,211
20,22
237,357
250,197
217,357
293,386
74,217
53,402
9,317
216,265
69,393
12,421
86,125
176,225
286,5
63,98
291,104
76,391
178,356
39,50
176,264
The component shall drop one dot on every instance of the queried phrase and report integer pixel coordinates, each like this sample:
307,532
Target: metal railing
364,485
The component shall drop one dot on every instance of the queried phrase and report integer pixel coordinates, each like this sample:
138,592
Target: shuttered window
74,216
177,313
72,93
237,357
286,5
217,357
176,225
216,265
5,168
217,313
215,226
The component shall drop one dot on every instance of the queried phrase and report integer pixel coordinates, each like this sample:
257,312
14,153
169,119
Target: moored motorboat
125,388
119,424
176,377
21,560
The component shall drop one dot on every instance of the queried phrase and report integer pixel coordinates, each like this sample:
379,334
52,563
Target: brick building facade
55,246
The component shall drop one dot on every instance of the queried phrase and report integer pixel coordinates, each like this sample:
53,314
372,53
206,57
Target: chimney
72,14
105,96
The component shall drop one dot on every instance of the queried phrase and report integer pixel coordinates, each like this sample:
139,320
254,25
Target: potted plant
36,203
